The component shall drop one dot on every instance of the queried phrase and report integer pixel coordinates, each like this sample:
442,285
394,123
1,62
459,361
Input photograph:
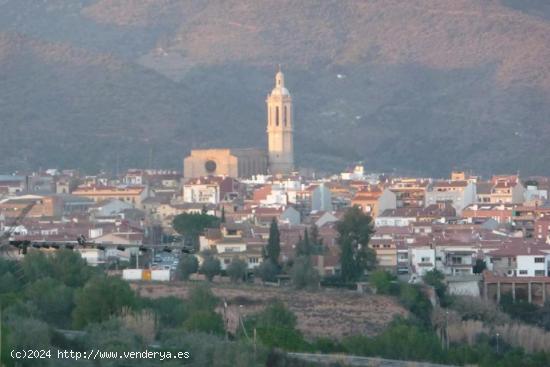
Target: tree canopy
210,266
355,230
188,265
101,298
192,225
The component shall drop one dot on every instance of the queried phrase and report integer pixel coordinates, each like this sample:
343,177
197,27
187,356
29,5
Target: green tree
237,270
267,271
436,279
111,335
210,266
316,240
383,281
303,274
70,268
355,230
36,266
188,265
26,333
303,247
193,225
53,300
101,298
412,297
276,327
273,248
479,266
64,265
222,217
171,311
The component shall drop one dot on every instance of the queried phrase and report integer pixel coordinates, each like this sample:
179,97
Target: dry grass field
326,313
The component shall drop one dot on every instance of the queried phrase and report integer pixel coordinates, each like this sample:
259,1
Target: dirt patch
325,313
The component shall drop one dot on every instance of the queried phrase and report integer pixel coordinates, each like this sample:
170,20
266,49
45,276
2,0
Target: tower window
277,116
285,115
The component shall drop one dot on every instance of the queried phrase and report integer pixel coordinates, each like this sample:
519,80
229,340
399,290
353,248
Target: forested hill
414,86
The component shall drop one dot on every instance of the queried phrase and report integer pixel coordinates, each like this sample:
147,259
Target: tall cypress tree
273,248
303,247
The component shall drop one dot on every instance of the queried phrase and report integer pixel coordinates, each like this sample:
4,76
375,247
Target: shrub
303,274
188,265
101,298
205,321
201,298
267,271
170,311
237,270
210,267
384,282
53,300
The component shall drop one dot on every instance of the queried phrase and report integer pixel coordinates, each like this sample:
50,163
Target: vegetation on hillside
395,85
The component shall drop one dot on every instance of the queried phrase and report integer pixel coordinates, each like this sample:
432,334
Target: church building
246,162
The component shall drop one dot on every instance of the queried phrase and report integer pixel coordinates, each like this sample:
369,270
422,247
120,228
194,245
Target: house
506,191
210,190
374,200
399,217
321,198
43,206
421,258
233,242
459,193
110,207
533,192
409,192
502,190
386,253
542,229
455,258
520,260
290,216
324,218
130,194
502,213
12,185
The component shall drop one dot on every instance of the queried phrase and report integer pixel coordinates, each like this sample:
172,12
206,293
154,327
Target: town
487,236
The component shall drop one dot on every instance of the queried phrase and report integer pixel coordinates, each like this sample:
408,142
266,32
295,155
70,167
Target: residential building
460,193
375,200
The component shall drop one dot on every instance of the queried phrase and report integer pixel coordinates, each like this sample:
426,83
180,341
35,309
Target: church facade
247,162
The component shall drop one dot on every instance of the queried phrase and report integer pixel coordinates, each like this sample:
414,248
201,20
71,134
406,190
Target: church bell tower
280,128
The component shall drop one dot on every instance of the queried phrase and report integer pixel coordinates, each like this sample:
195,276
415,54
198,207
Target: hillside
329,314
416,87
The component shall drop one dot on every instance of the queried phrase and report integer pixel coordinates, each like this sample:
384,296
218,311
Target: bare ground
324,313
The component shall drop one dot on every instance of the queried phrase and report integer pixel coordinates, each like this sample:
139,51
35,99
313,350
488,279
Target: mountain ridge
408,87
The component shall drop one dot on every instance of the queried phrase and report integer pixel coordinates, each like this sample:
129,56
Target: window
539,273
425,259
523,272
539,259
277,116
285,115
456,260
226,261
253,260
